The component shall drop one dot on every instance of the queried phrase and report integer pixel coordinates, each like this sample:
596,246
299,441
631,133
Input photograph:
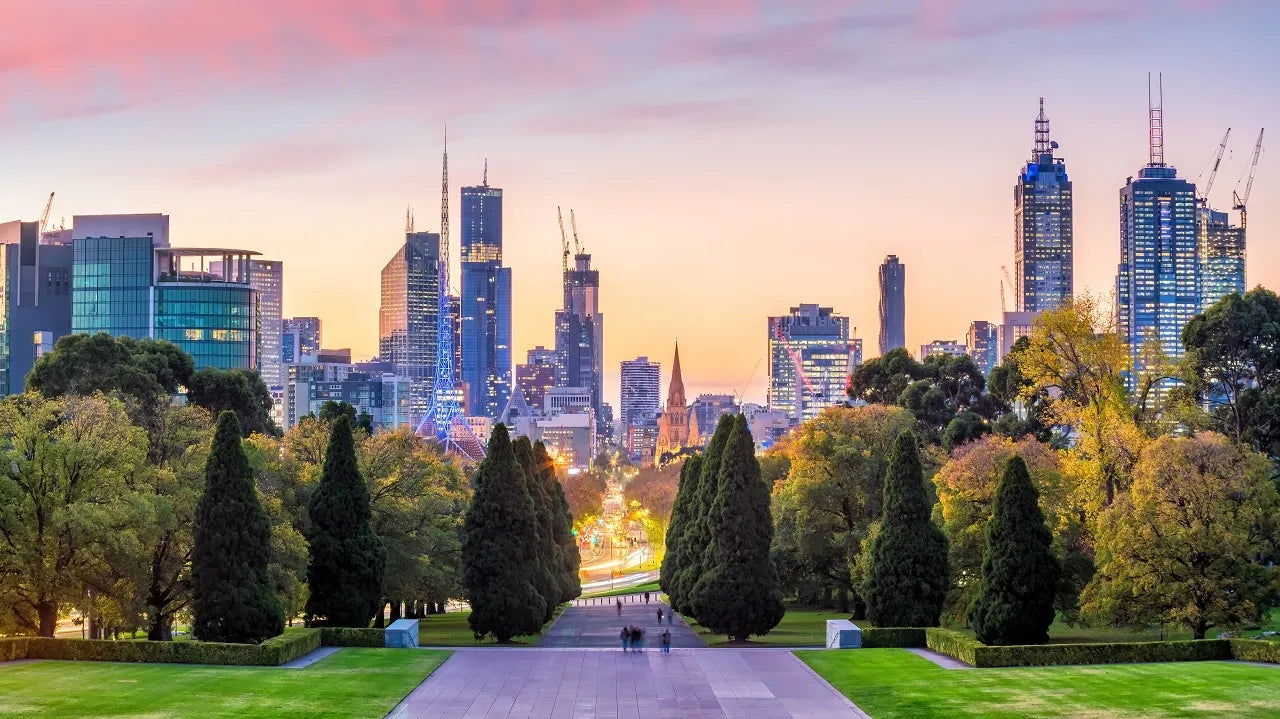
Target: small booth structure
402,634
843,634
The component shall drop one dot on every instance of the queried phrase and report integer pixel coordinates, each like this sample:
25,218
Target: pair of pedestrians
633,638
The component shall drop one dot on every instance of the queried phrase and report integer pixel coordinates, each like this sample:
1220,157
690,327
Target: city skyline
349,187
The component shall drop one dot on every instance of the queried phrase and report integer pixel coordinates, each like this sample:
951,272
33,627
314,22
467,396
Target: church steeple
675,393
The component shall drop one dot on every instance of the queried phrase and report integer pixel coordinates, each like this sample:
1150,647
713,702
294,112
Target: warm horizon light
726,159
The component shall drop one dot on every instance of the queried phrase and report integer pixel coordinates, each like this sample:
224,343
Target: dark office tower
537,375
893,304
35,306
580,334
1221,257
300,337
407,319
1042,227
486,303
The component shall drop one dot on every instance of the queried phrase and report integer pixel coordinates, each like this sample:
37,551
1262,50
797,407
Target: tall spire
1043,146
675,393
486,172
1155,122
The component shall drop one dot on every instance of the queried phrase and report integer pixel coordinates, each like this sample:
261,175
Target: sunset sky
726,159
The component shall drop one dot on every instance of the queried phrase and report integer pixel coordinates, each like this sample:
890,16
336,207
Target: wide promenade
580,670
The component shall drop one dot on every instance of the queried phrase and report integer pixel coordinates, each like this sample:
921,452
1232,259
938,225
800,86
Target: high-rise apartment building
1222,253
641,391
407,317
808,361
300,337
893,304
982,344
1042,252
580,333
943,347
537,374
267,279
35,299
1158,279
485,304
707,409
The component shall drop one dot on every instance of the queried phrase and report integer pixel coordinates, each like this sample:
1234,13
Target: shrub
882,637
353,637
953,644
273,652
15,648
285,648
1255,650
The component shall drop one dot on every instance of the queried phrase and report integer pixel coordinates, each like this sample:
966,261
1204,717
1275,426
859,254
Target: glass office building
808,361
485,304
1043,243
1222,254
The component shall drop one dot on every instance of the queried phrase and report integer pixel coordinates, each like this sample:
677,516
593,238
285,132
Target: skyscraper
893,304
407,318
1222,253
808,361
35,299
1042,251
580,333
982,344
1158,279
267,279
641,387
486,303
536,375
300,336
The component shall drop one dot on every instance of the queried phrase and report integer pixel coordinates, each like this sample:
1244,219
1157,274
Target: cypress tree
561,526
679,521
738,592
1019,568
907,581
234,599
697,534
547,563
499,537
346,558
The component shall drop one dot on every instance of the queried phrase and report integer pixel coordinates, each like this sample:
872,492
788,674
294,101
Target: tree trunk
379,619
396,606
48,612
160,628
1201,628
411,611
843,600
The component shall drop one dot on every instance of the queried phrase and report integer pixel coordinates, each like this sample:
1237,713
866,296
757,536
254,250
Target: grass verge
451,630
798,628
349,683
638,589
896,684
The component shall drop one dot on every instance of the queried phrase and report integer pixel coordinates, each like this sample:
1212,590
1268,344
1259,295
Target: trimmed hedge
1104,653
1255,650
880,637
273,652
953,644
353,637
15,648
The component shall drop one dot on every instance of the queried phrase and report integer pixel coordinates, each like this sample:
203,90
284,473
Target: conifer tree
499,539
738,592
693,541
346,558
1019,568
547,562
906,582
561,526
234,599
680,509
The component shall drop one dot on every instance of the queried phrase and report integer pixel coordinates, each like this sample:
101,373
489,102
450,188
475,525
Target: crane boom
573,222
1242,200
564,242
1213,172
44,216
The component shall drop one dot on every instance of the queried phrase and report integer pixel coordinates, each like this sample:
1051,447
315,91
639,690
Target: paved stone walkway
721,683
941,660
598,626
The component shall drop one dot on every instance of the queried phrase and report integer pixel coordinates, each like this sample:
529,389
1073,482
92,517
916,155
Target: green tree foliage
825,506
697,534
1019,569
139,369
737,592
1233,365
906,584
499,544
345,569
1029,405
64,501
331,410
962,429
936,390
681,508
561,526
234,600
547,561
585,494
881,380
239,390
1181,546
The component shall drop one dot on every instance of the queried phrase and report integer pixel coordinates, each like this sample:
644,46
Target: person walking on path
666,641
626,637
619,606
646,597
671,617
659,616
637,639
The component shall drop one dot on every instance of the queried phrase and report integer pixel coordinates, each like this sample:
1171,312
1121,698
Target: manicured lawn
639,588
895,684
451,630
1060,633
798,628
350,683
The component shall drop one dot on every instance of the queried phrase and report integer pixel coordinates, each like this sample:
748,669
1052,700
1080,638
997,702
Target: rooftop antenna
1155,122
408,219
1043,147
486,172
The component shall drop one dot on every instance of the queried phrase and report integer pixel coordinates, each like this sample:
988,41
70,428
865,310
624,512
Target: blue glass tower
1043,272
485,304
1158,280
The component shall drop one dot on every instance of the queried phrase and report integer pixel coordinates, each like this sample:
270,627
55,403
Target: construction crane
564,241
1009,280
573,222
1213,172
1241,200
44,217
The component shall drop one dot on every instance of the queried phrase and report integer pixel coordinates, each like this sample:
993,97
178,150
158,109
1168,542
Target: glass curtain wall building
1222,254
35,299
893,304
407,317
580,334
808,361
1043,270
485,304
